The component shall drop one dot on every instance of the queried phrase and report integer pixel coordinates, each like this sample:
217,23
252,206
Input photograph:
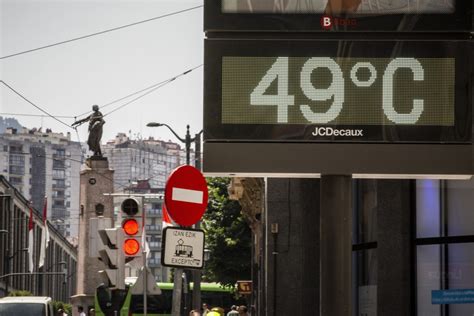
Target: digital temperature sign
338,91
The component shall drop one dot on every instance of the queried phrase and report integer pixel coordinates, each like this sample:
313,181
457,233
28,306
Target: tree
228,237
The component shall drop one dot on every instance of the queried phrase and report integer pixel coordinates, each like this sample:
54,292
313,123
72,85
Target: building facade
57,278
412,243
45,164
149,159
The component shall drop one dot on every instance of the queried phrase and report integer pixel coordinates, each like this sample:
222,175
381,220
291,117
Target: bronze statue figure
96,122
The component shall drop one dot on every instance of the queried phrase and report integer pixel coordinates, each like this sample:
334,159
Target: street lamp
187,140
197,144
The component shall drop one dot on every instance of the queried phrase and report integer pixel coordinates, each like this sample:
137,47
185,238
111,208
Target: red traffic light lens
131,247
130,226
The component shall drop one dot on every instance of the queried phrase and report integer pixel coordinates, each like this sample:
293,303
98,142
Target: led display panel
338,91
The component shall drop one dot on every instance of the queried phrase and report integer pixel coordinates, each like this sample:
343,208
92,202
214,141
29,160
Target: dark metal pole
188,145
178,272
336,245
274,230
197,273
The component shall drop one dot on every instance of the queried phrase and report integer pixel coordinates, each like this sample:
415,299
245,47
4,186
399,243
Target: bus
106,302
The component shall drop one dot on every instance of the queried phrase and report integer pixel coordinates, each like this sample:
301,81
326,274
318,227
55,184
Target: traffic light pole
145,265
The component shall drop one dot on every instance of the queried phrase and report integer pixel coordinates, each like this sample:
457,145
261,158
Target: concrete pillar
95,180
336,245
293,204
394,248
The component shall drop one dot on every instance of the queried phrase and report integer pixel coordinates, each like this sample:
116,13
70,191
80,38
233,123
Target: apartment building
40,164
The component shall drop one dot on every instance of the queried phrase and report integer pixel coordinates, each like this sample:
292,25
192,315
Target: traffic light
132,228
113,258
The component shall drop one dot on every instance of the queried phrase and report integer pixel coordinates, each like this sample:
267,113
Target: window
17,170
444,244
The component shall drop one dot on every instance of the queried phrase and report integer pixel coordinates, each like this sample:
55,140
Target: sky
66,80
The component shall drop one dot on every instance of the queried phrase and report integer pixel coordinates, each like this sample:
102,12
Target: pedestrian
205,309
80,309
219,310
91,312
61,312
243,310
233,311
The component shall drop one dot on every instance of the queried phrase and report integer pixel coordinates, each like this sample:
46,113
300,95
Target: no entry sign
186,195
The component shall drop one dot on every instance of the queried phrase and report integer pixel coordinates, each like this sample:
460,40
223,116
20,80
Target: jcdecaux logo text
329,131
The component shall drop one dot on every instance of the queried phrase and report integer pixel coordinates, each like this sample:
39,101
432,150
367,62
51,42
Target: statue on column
96,121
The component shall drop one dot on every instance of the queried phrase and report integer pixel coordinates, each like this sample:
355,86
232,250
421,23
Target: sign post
186,197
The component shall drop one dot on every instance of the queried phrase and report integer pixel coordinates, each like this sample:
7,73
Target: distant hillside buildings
40,164
48,164
144,159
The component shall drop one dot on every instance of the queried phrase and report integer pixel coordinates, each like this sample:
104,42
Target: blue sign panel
464,296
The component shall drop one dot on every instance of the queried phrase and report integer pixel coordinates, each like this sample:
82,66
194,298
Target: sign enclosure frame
459,21
225,144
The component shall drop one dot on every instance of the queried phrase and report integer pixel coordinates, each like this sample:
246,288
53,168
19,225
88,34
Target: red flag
31,226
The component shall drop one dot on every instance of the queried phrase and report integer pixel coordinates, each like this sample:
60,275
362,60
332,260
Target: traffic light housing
113,258
132,227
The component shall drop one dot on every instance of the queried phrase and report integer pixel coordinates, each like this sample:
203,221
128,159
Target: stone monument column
96,180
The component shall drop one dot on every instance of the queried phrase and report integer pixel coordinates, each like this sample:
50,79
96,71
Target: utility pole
178,272
197,273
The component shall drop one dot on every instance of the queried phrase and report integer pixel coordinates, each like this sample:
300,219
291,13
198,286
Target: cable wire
34,115
36,106
159,85
100,33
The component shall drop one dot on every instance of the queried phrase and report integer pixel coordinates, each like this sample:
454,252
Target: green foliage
228,237
20,293
64,306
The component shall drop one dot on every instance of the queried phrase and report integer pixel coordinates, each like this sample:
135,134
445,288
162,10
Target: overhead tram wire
36,106
149,90
100,33
125,97
34,115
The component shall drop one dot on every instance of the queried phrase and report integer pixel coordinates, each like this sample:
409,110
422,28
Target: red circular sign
186,195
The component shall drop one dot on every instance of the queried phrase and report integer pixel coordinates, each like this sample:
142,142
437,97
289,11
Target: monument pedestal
96,180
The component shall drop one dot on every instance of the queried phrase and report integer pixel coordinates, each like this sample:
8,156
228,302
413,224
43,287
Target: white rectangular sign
182,248
185,195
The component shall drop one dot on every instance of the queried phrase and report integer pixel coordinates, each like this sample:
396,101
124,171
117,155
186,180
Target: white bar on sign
185,195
